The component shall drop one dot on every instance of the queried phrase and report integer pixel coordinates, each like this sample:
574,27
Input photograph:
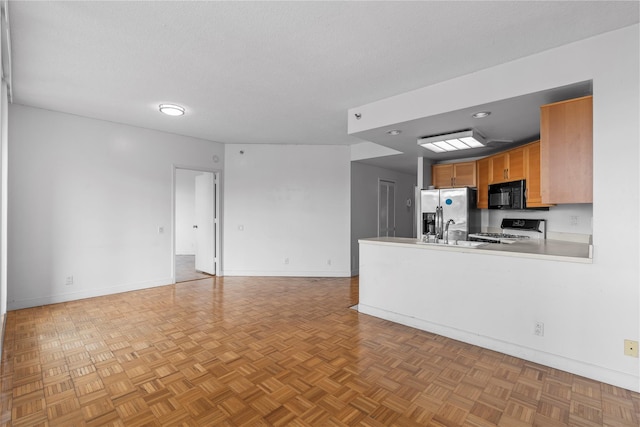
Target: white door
205,223
387,209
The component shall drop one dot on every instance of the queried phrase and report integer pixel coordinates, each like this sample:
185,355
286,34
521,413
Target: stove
527,229
497,237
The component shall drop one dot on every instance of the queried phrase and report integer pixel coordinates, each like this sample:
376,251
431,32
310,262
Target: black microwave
507,195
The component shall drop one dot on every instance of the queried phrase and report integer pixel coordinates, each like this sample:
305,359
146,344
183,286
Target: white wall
427,166
286,202
4,174
364,204
185,211
86,198
592,311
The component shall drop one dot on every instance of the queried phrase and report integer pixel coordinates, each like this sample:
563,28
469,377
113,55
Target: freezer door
429,200
455,206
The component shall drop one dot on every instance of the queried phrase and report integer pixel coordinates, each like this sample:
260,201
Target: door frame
393,205
217,223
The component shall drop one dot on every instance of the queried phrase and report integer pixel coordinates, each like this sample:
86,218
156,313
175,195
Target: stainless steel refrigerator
457,204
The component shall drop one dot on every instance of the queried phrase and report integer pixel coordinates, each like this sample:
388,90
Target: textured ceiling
271,72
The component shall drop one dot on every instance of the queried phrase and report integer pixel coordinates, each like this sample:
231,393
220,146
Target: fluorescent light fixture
445,146
437,149
472,142
171,109
462,140
459,144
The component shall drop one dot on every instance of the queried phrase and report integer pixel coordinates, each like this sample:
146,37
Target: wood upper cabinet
464,174
507,166
442,175
498,168
516,169
454,175
532,175
482,179
566,151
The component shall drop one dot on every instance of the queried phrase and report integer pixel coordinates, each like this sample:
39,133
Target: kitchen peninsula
491,296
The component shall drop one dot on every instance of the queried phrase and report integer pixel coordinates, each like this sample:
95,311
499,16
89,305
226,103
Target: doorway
196,224
386,208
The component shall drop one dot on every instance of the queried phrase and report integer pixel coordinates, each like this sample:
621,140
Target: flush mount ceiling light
171,109
462,140
481,114
394,132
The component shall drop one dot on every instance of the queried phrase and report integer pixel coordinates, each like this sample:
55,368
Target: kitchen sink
461,243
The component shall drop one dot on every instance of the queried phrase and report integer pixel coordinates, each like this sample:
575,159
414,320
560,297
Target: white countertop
558,250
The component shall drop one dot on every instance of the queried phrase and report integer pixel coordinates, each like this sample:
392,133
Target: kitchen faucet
446,231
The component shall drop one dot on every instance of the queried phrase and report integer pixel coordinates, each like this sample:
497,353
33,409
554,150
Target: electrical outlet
286,260
574,220
539,329
69,281
631,348
328,262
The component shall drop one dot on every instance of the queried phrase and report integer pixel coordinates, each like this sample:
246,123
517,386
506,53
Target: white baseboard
598,373
253,273
72,296
3,321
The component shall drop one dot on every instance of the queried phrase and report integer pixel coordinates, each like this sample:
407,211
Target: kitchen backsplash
573,219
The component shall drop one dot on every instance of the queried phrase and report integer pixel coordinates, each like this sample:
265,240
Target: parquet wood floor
272,352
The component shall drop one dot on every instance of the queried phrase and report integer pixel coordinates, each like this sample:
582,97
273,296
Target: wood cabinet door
464,174
516,164
533,194
498,165
534,197
442,175
566,151
482,169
